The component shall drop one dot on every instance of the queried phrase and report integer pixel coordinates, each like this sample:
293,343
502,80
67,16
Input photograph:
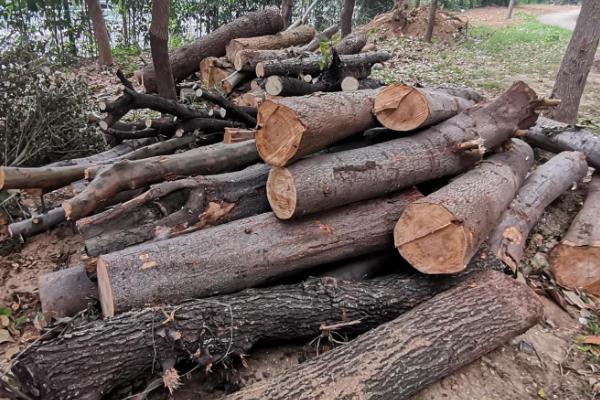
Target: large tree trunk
431,21
541,188
159,45
289,38
577,62
404,108
134,174
290,128
439,234
100,32
242,254
576,260
351,44
186,60
287,8
331,180
401,357
346,17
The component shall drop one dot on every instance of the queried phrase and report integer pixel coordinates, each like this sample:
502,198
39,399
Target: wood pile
197,217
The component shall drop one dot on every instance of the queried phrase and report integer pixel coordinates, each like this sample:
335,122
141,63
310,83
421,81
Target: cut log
242,254
555,136
541,188
253,99
319,37
235,135
404,108
233,111
209,201
350,83
401,357
214,69
247,59
185,60
134,174
288,86
290,128
575,261
66,292
232,81
351,44
330,180
439,234
291,37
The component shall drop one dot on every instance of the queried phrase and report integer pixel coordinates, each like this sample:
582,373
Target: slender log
232,110
555,136
247,59
401,357
288,86
66,292
235,135
288,38
541,188
439,234
134,174
319,37
330,180
123,148
209,125
242,254
307,123
404,108
232,81
185,60
575,261
351,44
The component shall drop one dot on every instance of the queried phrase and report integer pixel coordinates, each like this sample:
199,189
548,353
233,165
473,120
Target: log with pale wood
439,233
214,69
330,180
243,253
288,38
351,44
422,346
235,135
248,59
541,188
575,261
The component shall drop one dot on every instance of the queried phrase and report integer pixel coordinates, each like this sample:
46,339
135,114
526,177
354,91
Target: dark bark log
288,38
556,137
235,135
100,32
331,180
134,174
208,125
66,292
233,111
439,233
577,63
242,254
287,7
186,60
431,21
290,128
346,17
401,357
351,44
575,261
159,45
326,34
541,188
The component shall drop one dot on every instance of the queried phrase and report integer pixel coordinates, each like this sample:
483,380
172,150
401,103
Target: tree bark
511,6
315,43
308,125
288,86
441,232
575,261
247,59
287,8
236,78
100,32
431,21
242,254
577,63
332,180
541,188
233,111
401,357
556,137
159,46
214,69
66,292
186,60
134,174
37,224
351,44
404,108
235,135
346,17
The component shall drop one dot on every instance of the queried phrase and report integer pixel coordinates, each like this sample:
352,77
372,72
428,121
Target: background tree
511,6
287,7
346,17
100,32
159,46
431,22
577,62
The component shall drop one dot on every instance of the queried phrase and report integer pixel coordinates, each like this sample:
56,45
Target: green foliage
325,46
6,311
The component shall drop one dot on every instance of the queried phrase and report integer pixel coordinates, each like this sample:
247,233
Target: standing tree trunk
100,32
346,17
431,22
576,63
159,45
511,6
287,7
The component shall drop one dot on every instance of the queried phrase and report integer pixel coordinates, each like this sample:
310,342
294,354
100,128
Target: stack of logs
327,184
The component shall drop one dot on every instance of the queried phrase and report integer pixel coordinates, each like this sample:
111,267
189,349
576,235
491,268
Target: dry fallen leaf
5,336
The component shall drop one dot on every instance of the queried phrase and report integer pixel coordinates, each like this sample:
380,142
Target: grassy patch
127,58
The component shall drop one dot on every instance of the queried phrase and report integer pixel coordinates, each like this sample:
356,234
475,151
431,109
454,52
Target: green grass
127,58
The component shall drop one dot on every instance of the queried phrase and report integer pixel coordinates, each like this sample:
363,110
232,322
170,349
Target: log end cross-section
281,192
401,108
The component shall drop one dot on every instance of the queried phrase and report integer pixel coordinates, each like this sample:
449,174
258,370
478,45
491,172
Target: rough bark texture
331,180
288,86
134,174
397,359
248,59
186,60
404,108
37,224
232,81
243,253
351,44
541,188
232,111
346,17
100,33
290,128
431,21
159,45
556,137
439,234
66,292
235,135
291,37
576,260
576,63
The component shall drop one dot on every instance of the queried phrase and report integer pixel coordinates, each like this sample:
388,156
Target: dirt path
565,20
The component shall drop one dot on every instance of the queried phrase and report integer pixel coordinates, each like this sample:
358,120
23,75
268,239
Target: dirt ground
496,16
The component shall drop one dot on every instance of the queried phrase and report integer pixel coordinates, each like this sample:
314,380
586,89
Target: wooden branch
288,38
315,43
235,135
232,110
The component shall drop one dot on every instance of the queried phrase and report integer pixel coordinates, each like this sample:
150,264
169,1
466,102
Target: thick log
405,108
439,233
248,59
127,174
351,44
214,69
235,135
288,38
541,188
185,60
290,128
575,261
209,201
244,253
66,292
288,86
330,180
401,357
555,136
